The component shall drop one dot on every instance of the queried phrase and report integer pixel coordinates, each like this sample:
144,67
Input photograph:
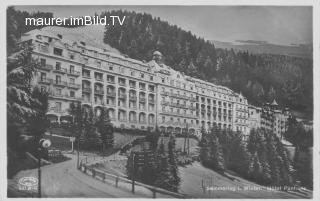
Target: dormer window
57,51
60,36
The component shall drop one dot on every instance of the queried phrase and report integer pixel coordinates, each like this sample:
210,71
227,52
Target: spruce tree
174,183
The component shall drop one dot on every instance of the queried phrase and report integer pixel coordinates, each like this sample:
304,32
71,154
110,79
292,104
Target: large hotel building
137,94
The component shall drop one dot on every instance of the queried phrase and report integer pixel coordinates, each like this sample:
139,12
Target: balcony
54,94
133,107
164,93
44,81
86,89
165,103
122,96
60,70
99,79
74,86
142,100
46,67
111,94
111,104
111,81
87,76
133,121
132,86
99,102
133,98
60,83
86,100
123,120
122,84
151,101
99,91
74,73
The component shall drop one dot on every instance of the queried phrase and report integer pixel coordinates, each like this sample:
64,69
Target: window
151,78
58,66
58,91
99,64
72,94
110,67
72,80
43,62
58,106
71,69
163,119
49,40
72,56
142,75
132,73
58,79
162,80
43,77
57,51
43,89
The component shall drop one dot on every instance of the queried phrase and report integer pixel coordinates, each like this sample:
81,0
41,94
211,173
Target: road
64,180
222,187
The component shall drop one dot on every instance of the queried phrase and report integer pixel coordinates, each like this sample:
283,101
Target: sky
283,25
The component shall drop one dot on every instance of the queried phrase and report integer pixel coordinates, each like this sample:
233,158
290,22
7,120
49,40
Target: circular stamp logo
28,183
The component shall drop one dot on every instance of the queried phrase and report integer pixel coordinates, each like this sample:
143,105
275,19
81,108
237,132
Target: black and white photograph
183,101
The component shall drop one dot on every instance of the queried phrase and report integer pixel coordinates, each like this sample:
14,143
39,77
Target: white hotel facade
137,94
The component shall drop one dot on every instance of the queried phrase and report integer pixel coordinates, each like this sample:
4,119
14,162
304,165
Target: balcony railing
87,89
142,88
60,70
143,100
165,102
133,121
86,76
134,107
110,81
122,83
100,79
60,83
122,96
46,67
99,102
74,73
111,94
74,86
45,81
133,98
99,91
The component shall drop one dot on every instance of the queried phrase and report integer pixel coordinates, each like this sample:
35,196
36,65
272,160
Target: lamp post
43,144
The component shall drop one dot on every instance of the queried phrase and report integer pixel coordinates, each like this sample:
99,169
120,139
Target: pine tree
164,175
216,152
240,156
174,183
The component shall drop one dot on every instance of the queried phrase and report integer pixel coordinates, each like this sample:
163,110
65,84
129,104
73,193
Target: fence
103,176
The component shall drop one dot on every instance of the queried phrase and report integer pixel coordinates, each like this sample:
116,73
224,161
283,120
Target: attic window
39,37
60,36
82,43
57,51
49,40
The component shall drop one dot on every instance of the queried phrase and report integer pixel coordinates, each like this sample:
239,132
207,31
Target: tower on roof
274,103
157,57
